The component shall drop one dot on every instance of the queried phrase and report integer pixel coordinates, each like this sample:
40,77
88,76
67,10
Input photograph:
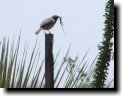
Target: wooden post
49,61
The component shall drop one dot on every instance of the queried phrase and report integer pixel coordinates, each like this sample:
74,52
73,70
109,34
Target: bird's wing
46,21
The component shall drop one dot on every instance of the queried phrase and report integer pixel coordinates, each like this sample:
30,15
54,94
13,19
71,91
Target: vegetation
105,48
26,73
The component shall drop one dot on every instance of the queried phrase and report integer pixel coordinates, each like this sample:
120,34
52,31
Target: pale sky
83,23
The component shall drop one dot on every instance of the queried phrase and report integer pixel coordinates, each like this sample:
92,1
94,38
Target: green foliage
105,48
26,72
12,71
72,72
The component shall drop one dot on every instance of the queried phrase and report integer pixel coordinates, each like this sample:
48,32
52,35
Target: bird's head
55,17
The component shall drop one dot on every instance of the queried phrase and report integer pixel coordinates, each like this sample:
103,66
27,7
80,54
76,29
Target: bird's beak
59,17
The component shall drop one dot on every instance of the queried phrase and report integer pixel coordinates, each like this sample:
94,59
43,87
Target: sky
83,24
83,21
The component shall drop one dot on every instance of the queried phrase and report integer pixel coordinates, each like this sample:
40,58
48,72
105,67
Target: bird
48,23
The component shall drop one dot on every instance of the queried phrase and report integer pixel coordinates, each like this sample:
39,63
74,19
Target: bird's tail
38,31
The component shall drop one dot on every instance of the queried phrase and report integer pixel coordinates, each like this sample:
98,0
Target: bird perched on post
48,23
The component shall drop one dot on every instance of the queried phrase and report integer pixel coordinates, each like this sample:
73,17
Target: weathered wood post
49,61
